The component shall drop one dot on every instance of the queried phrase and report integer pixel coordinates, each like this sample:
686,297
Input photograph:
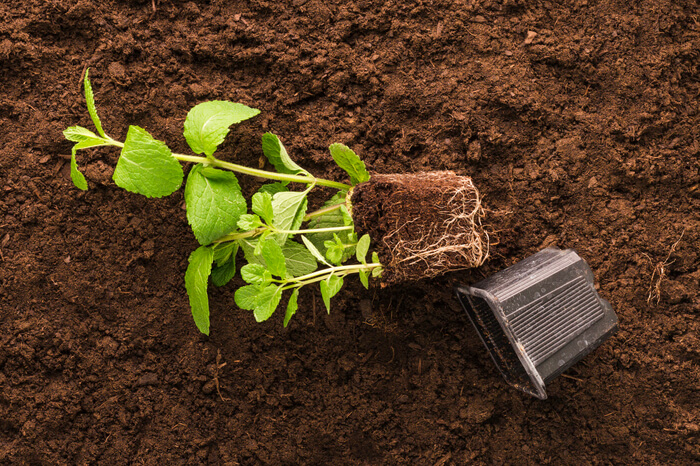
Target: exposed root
431,224
659,273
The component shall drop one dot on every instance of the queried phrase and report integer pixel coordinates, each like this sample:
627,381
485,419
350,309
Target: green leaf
298,259
262,205
78,178
223,273
225,260
273,188
146,166
375,257
75,175
334,253
223,251
314,251
196,281
329,288
90,100
330,219
277,155
377,272
259,244
79,134
266,302
347,218
207,124
292,306
364,278
249,222
362,248
246,297
274,258
215,174
214,205
350,162
253,273
287,207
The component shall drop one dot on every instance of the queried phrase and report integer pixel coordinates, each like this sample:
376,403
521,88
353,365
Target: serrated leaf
196,281
90,100
362,248
347,218
259,245
364,278
292,307
215,174
223,251
324,295
207,124
288,208
273,188
249,246
350,162
331,219
253,273
314,251
274,258
214,205
329,288
79,134
146,166
249,222
262,205
223,273
277,155
78,178
334,254
246,297
298,259
266,302
377,272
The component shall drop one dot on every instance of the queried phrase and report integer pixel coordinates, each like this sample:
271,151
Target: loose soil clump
424,224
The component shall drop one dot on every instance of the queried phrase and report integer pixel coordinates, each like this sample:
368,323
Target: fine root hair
447,237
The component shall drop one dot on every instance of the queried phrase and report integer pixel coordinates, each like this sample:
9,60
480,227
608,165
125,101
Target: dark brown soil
422,224
577,120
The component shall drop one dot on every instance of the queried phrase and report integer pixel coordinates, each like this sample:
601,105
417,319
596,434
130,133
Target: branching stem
321,275
306,179
234,167
258,231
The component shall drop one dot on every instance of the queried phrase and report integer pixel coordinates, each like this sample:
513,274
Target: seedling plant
283,244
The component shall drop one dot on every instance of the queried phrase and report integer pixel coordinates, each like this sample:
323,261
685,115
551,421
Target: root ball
423,225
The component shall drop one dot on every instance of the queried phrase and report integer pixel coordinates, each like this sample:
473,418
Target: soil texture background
577,120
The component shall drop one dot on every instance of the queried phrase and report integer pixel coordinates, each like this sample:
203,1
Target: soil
422,224
578,122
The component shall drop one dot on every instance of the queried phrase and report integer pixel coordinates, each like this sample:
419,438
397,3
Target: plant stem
247,170
243,235
322,211
341,270
260,230
261,173
312,230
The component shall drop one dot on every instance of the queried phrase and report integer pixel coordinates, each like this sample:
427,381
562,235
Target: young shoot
282,244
